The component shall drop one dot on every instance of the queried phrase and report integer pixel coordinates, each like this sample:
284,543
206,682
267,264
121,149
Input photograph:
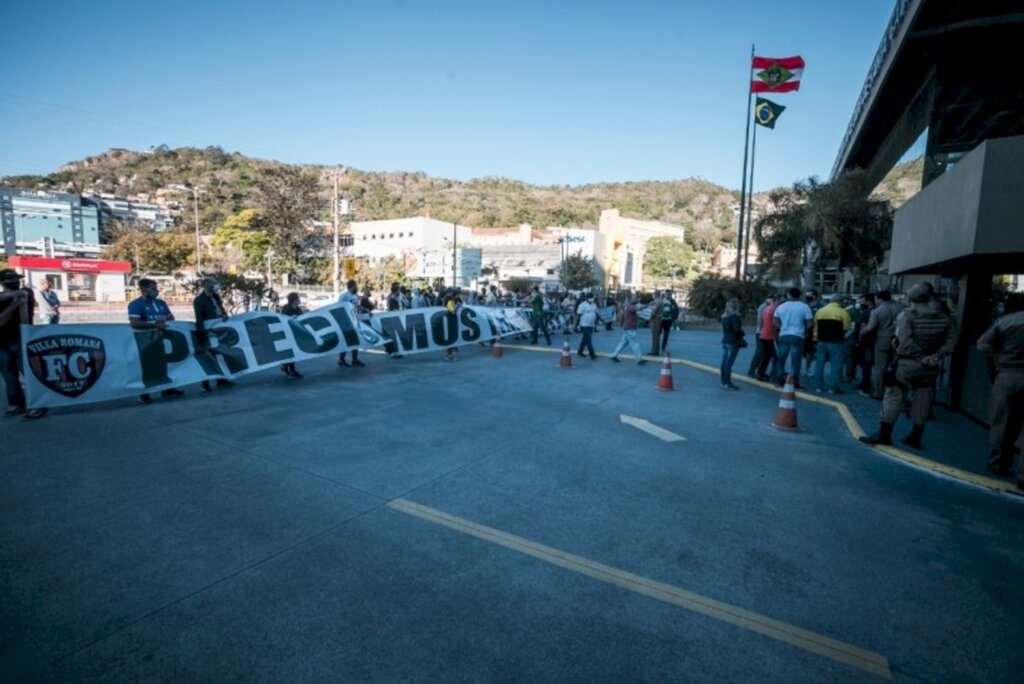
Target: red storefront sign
70,265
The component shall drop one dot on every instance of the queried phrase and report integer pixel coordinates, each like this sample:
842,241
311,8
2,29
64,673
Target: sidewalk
954,445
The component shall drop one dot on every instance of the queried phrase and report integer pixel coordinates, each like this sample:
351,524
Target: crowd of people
891,352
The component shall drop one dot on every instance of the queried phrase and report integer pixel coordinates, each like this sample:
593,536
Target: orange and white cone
785,415
665,379
566,361
496,351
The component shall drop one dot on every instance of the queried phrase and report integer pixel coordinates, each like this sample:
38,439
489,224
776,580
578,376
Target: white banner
79,364
433,328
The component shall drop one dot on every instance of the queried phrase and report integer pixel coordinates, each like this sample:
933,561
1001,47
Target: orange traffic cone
496,351
566,355
665,379
785,415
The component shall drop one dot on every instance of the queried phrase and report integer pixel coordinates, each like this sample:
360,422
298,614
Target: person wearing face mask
16,308
208,306
149,312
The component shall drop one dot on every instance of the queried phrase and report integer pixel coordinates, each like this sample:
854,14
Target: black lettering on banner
263,340
471,333
348,328
204,355
444,328
304,330
157,350
401,333
228,349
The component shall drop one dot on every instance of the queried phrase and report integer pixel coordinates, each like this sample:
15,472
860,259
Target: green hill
481,202
704,208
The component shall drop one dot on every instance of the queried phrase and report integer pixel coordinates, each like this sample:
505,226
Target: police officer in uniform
1005,340
923,337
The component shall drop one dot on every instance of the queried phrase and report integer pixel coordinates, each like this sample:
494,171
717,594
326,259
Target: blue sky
545,92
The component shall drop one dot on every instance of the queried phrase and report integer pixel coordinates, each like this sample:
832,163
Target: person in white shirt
418,300
47,303
793,320
350,296
586,314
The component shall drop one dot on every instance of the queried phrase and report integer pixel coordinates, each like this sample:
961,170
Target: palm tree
837,221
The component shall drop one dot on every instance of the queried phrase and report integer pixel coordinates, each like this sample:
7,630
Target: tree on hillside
287,200
116,227
151,252
667,259
577,272
241,240
814,221
703,237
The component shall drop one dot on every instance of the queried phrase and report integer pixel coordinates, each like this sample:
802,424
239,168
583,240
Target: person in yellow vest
831,324
923,338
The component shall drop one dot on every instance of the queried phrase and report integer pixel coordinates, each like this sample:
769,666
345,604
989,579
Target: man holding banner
207,306
148,312
16,306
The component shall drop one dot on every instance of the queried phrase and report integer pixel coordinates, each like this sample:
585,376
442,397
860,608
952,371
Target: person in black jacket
732,340
208,307
292,309
16,309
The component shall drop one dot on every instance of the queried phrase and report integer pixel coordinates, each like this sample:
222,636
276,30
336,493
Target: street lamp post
454,254
563,248
195,206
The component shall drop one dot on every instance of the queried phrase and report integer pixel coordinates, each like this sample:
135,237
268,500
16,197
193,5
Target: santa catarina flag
766,112
776,75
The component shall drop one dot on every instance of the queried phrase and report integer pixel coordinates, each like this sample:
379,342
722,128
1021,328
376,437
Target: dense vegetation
230,181
256,208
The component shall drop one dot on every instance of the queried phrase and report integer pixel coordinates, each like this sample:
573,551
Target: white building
625,244
134,209
376,240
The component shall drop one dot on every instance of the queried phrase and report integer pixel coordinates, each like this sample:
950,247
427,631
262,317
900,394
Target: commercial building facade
47,223
77,280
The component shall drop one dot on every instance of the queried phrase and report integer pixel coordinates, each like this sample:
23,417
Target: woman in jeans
732,338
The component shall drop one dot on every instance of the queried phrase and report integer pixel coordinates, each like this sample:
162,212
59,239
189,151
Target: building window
411,235
391,236
401,235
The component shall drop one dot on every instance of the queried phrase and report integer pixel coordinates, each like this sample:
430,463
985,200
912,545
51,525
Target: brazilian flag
766,112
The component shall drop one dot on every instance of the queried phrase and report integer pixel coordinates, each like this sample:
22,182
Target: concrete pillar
969,381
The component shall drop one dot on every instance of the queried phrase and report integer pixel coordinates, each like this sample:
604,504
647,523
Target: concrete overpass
947,70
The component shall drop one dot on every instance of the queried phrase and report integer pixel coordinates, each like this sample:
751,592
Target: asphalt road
491,520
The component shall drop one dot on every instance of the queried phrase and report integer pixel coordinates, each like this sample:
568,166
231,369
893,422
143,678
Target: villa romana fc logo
67,364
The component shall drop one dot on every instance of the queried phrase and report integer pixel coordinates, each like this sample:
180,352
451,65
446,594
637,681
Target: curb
855,429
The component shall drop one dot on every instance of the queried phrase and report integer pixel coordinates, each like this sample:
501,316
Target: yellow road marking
856,431
864,660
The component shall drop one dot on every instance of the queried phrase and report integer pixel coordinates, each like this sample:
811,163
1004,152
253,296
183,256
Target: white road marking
651,429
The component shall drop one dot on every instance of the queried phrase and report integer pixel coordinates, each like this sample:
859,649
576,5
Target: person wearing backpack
669,313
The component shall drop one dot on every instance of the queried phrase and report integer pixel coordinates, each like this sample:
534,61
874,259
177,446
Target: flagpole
750,202
746,149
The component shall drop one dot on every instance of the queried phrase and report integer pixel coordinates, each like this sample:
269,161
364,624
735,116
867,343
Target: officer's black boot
883,436
913,440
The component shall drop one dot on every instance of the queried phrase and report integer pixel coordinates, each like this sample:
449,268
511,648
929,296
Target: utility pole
337,242
455,235
195,206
